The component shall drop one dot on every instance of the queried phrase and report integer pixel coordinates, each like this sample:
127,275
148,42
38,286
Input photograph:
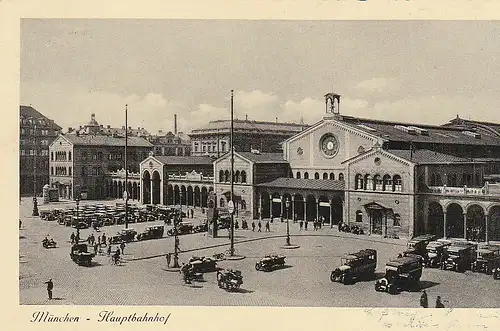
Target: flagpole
126,170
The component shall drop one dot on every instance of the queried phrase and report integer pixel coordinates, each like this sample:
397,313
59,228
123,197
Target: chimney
276,120
175,124
109,126
70,129
246,117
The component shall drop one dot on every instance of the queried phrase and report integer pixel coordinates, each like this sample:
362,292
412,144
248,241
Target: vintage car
152,232
229,279
417,245
359,265
182,228
46,214
80,255
270,262
487,260
202,264
49,243
224,221
436,253
460,256
200,228
496,273
125,235
402,273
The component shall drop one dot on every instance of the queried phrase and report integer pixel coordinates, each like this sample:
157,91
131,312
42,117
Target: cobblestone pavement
142,279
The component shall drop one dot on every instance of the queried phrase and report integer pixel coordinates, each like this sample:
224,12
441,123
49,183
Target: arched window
325,175
221,202
69,171
358,182
377,183
99,156
397,183
243,205
316,175
221,176
332,176
433,180
359,216
51,156
243,176
306,175
368,182
226,176
52,171
341,176
387,185
439,181
69,156
237,176
298,174
397,220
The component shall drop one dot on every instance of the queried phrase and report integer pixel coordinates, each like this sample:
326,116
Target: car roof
403,260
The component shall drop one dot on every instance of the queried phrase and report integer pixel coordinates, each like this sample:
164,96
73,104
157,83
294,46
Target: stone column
317,209
151,189
465,225
260,206
486,219
305,208
330,212
444,225
271,206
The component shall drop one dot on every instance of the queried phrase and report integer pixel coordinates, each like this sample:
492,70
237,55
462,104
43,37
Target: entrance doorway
377,216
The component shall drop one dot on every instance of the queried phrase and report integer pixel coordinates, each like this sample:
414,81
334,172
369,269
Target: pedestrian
77,238
95,249
103,240
301,224
315,225
424,302
89,240
109,241
169,257
192,213
259,226
72,237
109,250
50,287
236,225
268,229
305,225
99,240
439,303
20,224
253,225
122,246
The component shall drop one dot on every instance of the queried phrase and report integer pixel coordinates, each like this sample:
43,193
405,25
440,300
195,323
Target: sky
412,71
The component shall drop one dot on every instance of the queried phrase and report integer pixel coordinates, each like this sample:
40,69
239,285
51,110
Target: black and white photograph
259,163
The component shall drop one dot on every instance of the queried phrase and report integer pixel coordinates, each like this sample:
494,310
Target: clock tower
332,103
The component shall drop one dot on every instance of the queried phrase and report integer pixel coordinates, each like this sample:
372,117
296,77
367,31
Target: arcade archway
146,188
494,223
156,188
435,219
454,221
476,223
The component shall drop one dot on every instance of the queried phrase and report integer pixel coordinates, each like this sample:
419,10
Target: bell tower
332,103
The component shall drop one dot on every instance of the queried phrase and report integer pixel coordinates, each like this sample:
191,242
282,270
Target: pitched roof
425,156
393,131
102,140
180,160
256,126
263,157
310,184
28,111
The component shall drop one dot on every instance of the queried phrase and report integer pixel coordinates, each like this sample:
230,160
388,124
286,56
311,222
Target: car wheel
257,266
333,276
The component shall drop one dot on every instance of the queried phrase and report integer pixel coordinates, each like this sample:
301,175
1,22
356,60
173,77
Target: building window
387,185
243,205
243,176
69,171
223,146
368,182
359,216
325,175
306,175
221,202
378,183
204,148
341,176
316,175
99,156
358,182
23,152
439,181
237,176
52,171
332,176
397,183
226,176
221,176
84,155
397,220
478,180
196,147
69,156
298,174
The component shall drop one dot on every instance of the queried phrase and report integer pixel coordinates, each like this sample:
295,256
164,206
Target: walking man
169,257
268,229
253,225
424,302
260,226
305,225
103,240
50,286
301,224
122,247
72,237
439,303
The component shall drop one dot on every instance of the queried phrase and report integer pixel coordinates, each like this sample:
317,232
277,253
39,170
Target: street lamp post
287,204
126,169
35,201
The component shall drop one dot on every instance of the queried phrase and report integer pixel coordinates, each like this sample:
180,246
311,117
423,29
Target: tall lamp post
288,245
35,202
125,192
287,205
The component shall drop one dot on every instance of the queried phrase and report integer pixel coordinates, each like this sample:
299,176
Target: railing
192,177
486,190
